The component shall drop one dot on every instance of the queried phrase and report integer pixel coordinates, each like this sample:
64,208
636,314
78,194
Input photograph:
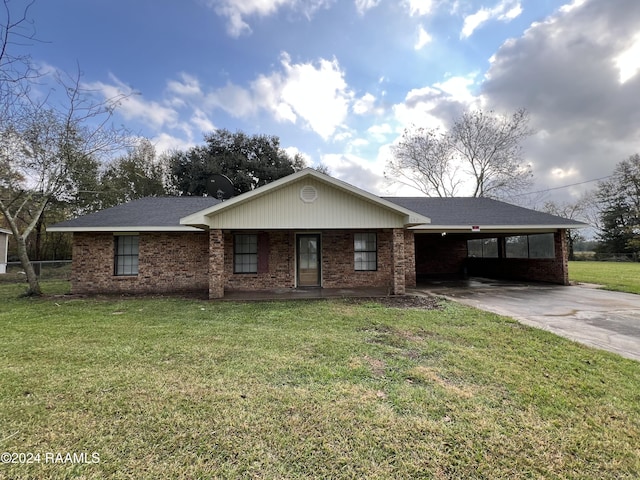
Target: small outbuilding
4,249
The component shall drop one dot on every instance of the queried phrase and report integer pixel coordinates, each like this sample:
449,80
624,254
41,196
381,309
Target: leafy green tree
135,175
619,200
249,161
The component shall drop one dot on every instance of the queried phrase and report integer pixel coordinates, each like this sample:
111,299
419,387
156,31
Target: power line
564,186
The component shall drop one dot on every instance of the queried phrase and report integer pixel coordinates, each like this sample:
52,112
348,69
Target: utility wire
564,186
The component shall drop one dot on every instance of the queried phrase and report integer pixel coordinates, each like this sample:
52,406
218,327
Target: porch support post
216,264
410,259
399,261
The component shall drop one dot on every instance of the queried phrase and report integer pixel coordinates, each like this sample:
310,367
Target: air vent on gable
308,194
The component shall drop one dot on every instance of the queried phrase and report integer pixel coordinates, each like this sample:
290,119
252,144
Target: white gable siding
284,208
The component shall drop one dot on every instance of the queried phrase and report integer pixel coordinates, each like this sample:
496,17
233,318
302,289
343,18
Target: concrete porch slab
304,294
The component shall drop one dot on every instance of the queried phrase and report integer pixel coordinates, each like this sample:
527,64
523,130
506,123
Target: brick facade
280,266
338,264
410,259
189,262
440,256
216,255
168,262
337,253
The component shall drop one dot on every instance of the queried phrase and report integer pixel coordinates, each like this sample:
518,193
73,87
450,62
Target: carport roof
466,212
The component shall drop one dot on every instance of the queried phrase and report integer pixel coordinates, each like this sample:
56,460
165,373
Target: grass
619,276
182,388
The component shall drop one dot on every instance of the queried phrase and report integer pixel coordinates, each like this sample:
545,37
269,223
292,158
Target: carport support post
399,261
410,259
562,255
216,264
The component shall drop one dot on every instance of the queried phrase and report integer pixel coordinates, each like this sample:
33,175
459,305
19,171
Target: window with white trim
365,246
126,248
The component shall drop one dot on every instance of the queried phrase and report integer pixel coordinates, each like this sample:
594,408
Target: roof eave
178,228
495,228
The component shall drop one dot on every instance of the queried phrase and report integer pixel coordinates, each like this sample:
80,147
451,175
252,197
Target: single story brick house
309,230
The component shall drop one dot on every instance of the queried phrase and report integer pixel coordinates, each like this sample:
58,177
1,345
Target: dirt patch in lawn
401,301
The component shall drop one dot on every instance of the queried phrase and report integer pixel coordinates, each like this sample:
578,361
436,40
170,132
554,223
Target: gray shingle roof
166,212
466,211
145,212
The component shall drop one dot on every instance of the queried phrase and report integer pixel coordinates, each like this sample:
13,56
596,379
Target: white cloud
505,10
380,132
365,104
364,5
133,106
187,86
419,7
201,121
166,143
357,171
293,151
458,88
237,11
423,38
628,62
316,93
567,72
236,101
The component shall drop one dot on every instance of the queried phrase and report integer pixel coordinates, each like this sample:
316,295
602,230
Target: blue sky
339,81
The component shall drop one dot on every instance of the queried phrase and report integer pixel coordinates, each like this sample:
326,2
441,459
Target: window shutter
263,253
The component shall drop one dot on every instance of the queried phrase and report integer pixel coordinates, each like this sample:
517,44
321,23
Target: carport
487,238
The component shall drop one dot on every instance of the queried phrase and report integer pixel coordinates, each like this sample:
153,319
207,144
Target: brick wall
337,263
181,262
168,262
216,255
280,268
410,258
438,255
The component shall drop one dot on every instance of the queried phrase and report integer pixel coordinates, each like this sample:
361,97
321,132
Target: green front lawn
620,276
182,388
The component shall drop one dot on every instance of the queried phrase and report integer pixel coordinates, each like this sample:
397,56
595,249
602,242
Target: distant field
620,276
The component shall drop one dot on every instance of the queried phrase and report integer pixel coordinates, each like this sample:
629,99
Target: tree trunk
32,278
37,254
570,238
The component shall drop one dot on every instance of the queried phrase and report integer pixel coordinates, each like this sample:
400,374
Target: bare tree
576,210
490,146
44,151
423,160
16,31
481,148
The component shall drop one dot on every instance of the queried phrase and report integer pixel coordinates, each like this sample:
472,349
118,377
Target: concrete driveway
583,313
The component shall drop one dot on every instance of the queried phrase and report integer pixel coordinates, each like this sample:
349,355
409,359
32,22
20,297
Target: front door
308,260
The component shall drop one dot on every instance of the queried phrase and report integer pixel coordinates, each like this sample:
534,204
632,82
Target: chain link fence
46,270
